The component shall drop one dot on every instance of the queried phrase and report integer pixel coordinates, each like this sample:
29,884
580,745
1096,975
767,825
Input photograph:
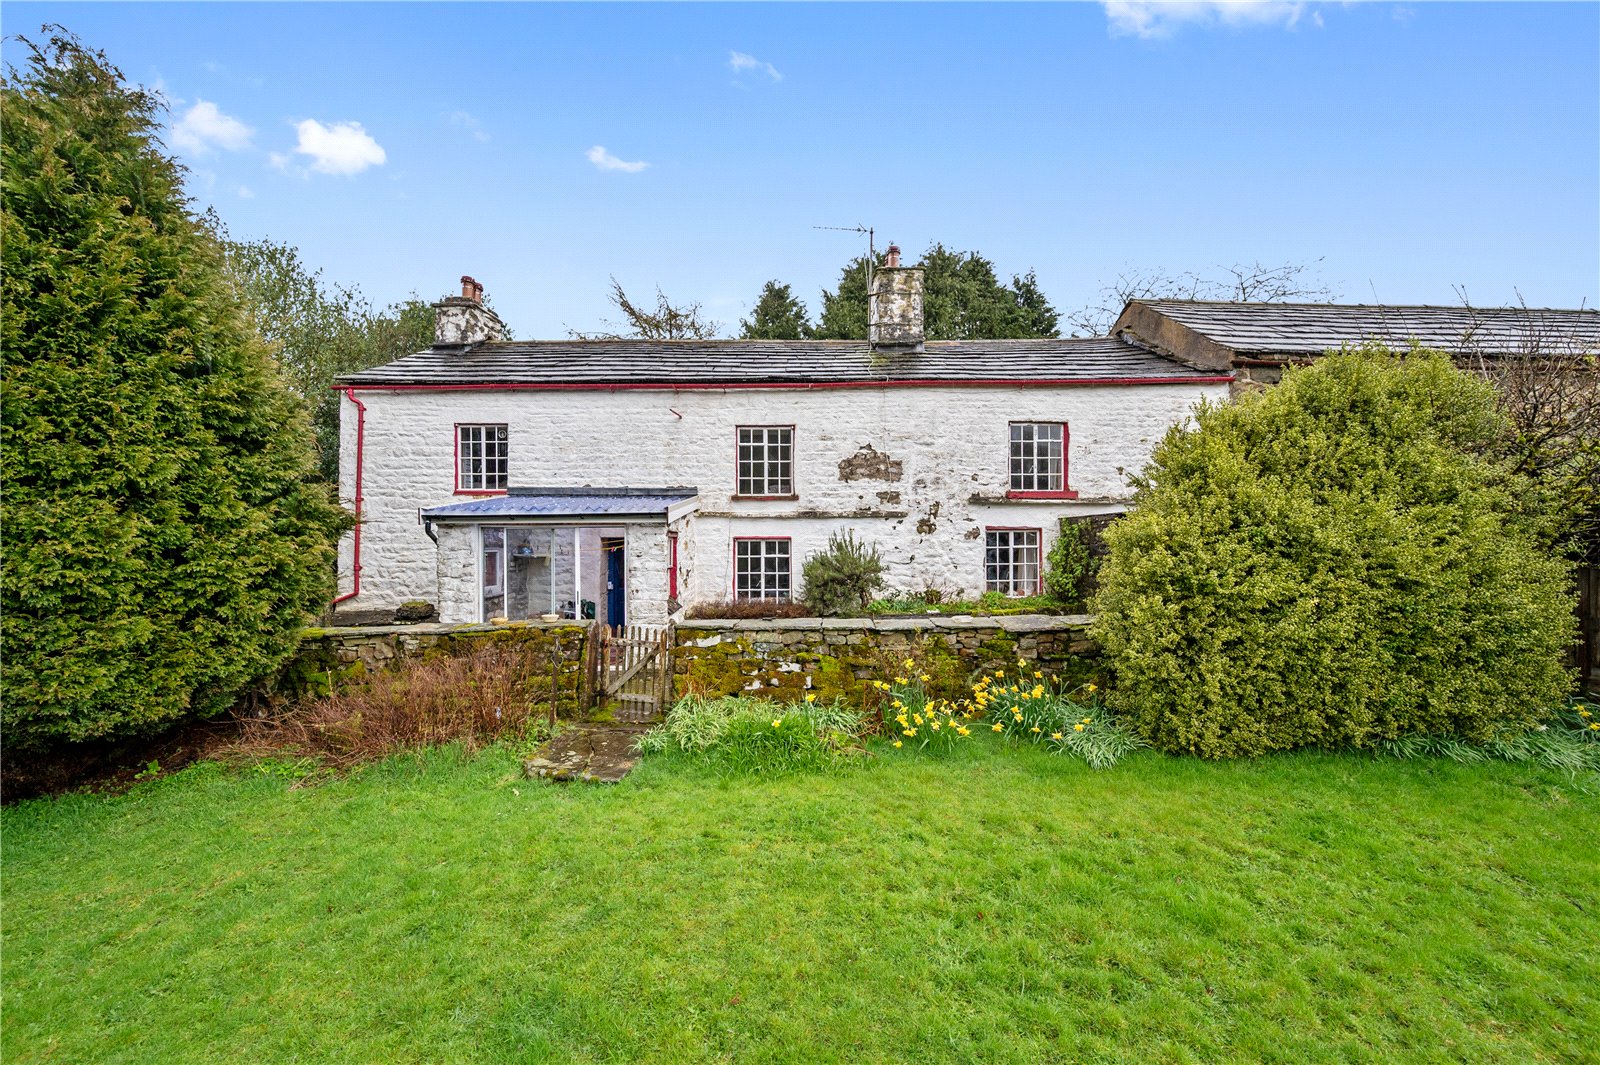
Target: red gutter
667,386
361,433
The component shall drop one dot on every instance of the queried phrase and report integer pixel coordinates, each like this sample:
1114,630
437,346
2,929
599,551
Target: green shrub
842,578
1069,565
1326,563
163,538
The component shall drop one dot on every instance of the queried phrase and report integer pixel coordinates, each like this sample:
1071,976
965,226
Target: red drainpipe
361,432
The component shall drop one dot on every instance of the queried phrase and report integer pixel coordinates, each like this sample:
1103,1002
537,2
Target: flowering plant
913,717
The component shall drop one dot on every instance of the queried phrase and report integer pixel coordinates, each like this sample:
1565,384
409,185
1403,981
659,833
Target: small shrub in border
746,734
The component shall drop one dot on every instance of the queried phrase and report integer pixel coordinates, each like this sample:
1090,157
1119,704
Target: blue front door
616,595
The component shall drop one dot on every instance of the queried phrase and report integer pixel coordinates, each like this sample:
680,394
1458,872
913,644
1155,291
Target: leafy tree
1331,563
666,321
319,330
1239,283
163,541
962,300
777,316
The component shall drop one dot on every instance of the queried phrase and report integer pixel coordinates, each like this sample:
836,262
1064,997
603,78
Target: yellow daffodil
934,725
1055,735
1093,688
999,672
911,732
917,718
1038,675
1086,721
1583,713
811,697
925,677
776,723
901,680
910,664
1595,727
1077,728
1036,728
1022,663
964,731
897,743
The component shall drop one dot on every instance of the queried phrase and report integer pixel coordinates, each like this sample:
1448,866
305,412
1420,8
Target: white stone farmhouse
628,480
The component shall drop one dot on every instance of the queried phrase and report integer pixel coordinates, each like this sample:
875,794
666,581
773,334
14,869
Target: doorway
616,595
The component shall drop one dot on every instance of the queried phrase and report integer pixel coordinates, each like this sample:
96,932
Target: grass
989,604
1000,904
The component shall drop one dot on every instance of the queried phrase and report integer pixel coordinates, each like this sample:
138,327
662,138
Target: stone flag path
591,751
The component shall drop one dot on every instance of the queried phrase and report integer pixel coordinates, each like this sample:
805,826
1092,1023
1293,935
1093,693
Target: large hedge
1327,563
162,543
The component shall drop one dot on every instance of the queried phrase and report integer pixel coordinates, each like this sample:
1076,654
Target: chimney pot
467,287
894,256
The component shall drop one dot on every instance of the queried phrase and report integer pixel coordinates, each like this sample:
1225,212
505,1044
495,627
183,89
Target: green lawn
1000,906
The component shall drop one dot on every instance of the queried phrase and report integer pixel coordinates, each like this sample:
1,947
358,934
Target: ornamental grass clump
1334,563
744,733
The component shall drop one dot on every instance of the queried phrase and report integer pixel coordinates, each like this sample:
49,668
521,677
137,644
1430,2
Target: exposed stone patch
929,525
603,754
870,464
888,497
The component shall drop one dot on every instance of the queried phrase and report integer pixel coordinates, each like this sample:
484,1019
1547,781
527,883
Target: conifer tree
163,538
778,315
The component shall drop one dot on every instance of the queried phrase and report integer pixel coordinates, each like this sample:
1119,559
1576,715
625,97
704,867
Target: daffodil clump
1027,704
914,718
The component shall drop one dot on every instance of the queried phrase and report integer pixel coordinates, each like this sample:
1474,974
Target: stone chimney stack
462,321
894,307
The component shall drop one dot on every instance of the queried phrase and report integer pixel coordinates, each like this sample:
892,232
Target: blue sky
1411,147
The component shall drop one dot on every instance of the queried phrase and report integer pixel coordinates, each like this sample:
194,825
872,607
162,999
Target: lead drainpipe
361,433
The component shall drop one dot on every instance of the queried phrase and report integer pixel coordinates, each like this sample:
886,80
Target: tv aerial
872,250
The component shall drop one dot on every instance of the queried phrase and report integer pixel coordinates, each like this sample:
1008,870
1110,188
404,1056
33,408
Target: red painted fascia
667,386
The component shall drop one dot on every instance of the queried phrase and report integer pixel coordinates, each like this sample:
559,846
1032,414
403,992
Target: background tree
666,321
318,330
1334,562
1240,283
777,316
163,539
963,299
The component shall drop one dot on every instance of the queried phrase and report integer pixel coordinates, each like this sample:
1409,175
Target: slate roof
1295,329
672,363
565,504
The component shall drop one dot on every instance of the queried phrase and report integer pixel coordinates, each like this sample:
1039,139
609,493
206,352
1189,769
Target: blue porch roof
579,505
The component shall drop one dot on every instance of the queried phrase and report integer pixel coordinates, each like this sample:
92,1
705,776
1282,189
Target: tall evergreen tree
777,316
963,299
164,539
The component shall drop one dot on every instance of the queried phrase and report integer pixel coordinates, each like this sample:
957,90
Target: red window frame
1038,583
1064,492
733,569
455,461
793,492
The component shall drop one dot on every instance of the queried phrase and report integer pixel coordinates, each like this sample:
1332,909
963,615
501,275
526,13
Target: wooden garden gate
630,665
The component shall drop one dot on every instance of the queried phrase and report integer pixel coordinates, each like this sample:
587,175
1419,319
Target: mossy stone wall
784,659
331,656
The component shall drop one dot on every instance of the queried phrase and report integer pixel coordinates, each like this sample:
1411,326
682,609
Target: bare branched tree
1549,389
665,321
1239,283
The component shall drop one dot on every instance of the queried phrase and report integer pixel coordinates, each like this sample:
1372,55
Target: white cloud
246,192
467,122
739,62
339,148
204,127
1161,18
606,161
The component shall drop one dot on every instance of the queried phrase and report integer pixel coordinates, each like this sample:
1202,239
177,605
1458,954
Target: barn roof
709,363
1264,330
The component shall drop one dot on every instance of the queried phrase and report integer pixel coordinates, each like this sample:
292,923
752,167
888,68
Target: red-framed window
1011,561
483,458
762,568
672,565
1038,461
765,462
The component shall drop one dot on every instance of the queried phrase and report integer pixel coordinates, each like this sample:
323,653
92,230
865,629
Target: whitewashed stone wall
932,463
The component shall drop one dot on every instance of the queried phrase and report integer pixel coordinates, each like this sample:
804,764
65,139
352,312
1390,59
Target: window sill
1068,494
480,491
763,499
